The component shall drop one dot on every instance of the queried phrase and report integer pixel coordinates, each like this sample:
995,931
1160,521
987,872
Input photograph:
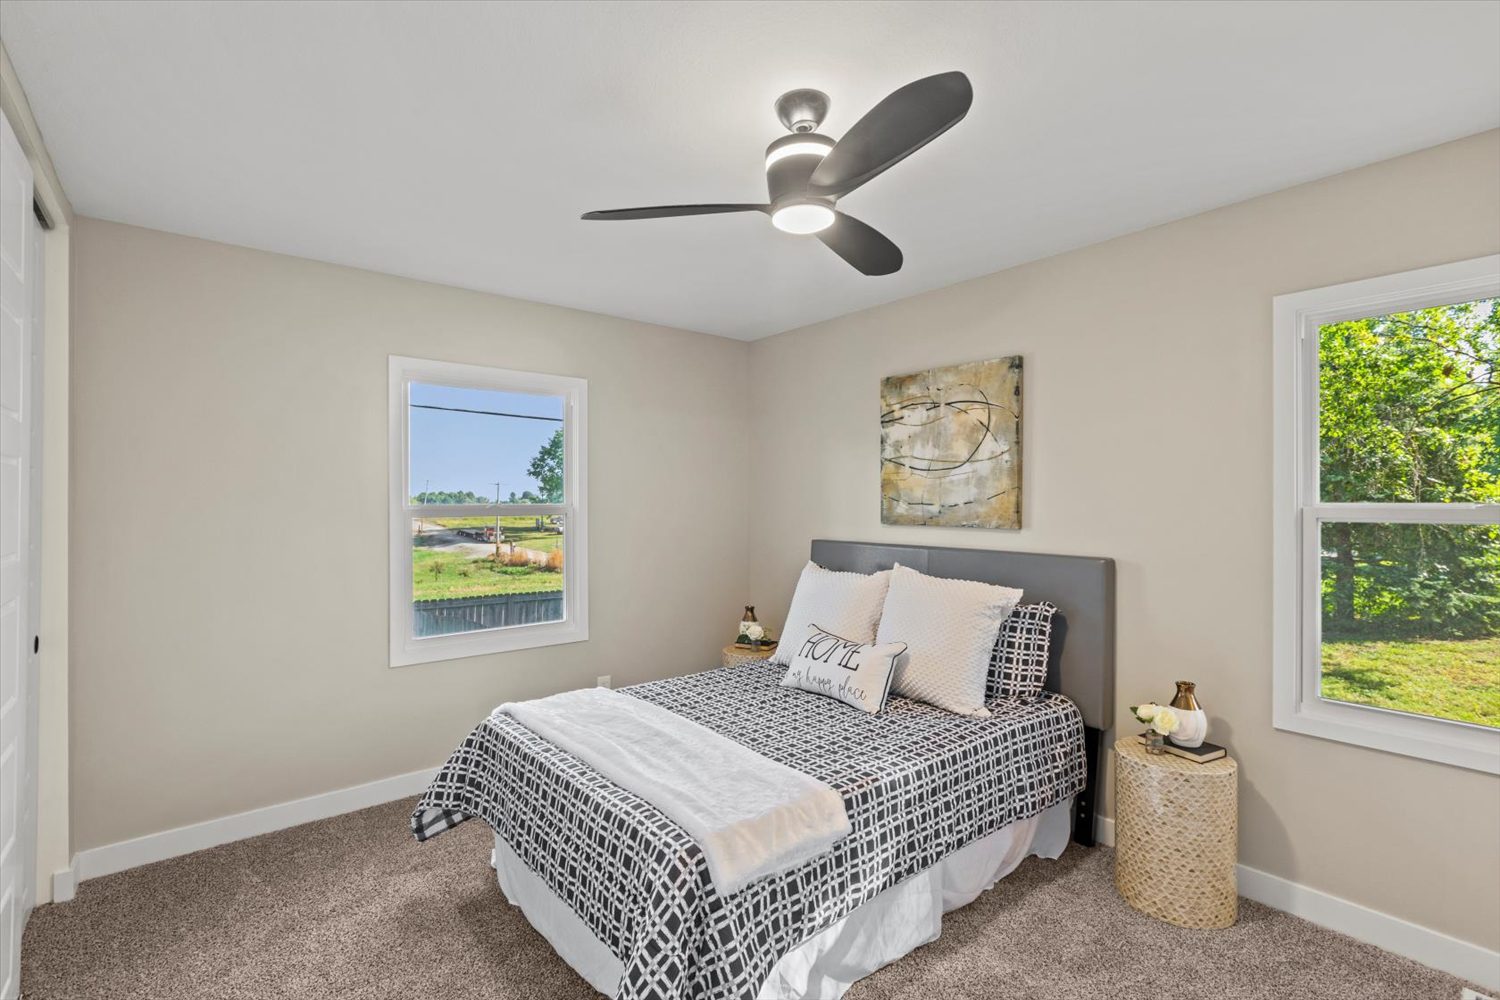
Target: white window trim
1297,614
407,650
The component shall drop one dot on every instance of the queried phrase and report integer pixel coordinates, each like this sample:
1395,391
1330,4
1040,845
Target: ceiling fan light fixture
800,145
802,218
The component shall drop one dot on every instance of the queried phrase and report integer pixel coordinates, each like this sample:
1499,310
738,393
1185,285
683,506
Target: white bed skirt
903,917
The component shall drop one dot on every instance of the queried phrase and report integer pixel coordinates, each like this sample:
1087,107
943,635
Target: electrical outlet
1469,994
605,682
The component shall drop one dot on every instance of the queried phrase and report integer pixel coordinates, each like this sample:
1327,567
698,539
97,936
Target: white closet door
19,274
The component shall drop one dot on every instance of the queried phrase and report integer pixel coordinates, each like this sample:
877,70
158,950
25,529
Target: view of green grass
438,575
440,571
1448,678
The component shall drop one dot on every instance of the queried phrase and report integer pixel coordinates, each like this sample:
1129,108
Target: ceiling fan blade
669,211
866,250
891,131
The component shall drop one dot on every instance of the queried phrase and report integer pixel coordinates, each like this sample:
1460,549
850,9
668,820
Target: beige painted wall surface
1148,439
229,522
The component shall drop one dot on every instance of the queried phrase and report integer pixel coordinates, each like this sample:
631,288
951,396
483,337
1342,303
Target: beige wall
1148,439
229,521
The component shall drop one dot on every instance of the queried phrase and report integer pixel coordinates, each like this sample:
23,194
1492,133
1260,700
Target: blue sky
470,451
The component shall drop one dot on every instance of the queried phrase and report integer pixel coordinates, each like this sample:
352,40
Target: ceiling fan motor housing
790,161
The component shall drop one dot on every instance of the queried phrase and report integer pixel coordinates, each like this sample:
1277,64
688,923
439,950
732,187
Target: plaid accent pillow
1019,666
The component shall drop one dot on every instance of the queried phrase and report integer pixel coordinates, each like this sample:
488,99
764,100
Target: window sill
1442,741
437,648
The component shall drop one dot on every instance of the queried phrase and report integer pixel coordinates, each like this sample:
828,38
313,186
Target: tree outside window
1409,413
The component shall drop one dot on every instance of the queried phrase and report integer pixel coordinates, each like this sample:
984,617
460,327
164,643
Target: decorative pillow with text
855,673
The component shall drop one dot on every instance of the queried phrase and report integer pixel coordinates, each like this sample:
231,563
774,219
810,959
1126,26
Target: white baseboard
65,882
153,847
1420,944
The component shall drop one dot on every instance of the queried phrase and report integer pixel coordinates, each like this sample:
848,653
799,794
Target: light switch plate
605,681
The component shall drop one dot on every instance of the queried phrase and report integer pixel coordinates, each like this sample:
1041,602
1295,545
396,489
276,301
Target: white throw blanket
749,814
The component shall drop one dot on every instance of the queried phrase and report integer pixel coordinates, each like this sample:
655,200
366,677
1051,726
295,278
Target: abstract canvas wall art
950,446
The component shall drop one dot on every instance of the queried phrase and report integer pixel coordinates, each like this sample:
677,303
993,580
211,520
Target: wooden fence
468,614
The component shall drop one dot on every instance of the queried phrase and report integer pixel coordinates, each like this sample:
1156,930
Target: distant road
445,540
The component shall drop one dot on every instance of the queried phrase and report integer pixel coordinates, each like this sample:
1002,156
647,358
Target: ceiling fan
808,173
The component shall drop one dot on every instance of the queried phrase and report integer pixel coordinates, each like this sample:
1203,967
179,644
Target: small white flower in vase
751,633
1163,723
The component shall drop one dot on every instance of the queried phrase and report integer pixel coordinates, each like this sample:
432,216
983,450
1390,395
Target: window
1387,519
489,537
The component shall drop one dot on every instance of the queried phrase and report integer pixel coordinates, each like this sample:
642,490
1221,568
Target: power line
487,413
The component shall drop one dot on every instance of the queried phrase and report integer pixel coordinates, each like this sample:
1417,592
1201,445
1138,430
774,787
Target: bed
940,807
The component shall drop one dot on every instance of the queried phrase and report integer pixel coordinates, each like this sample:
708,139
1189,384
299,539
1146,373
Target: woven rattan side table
733,655
1176,836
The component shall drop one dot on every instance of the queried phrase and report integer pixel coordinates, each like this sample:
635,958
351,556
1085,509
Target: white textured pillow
846,604
950,628
855,673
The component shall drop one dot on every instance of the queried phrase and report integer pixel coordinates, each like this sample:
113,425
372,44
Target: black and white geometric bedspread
918,784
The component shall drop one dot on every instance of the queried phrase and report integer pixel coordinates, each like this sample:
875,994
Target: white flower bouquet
752,634
1163,722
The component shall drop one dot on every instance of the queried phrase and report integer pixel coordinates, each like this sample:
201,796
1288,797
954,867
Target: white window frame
406,649
1297,705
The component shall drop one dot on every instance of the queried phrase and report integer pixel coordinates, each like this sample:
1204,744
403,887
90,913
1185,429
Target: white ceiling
458,142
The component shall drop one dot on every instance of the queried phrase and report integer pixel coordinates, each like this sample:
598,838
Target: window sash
405,648
1312,613
1406,513
1298,515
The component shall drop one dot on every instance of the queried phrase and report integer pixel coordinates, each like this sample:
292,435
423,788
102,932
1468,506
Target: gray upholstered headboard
1083,588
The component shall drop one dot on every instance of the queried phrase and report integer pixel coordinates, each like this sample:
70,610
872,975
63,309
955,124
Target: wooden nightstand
733,655
1176,836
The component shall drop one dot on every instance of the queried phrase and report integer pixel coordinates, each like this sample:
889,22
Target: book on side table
1202,753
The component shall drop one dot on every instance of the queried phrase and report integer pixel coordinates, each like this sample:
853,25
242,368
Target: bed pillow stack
954,644
951,628
844,604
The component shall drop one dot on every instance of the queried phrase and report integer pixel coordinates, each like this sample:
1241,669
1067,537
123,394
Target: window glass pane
477,445
466,576
1409,406
1411,618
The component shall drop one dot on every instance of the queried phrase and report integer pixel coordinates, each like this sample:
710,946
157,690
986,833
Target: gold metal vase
1192,722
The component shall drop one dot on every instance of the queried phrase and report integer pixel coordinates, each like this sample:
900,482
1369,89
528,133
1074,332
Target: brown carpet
352,907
